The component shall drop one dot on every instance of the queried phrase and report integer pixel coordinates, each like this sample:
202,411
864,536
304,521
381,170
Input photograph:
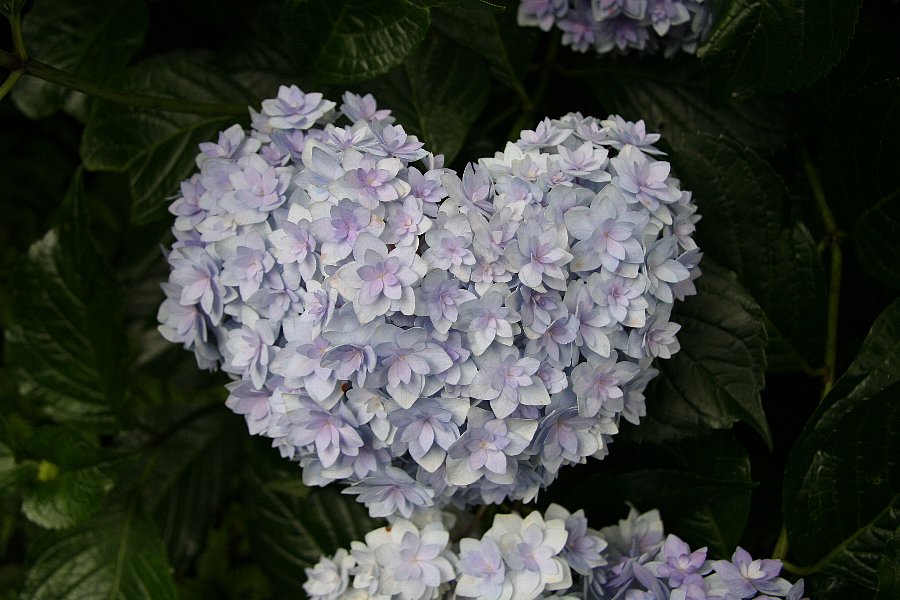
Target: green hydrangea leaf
191,473
72,475
13,473
876,233
759,46
156,147
889,569
342,41
293,525
437,94
842,482
502,43
717,376
64,339
66,498
117,556
91,40
746,228
702,488
864,195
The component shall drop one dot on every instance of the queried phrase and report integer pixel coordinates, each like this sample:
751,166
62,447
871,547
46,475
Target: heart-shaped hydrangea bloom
622,26
422,336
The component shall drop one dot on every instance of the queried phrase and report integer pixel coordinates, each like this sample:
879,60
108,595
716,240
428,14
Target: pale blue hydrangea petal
293,109
643,180
390,492
745,576
245,399
584,547
679,566
329,578
481,571
541,13
332,432
362,108
394,141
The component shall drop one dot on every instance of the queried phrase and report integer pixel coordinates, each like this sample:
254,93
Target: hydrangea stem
15,23
46,72
781,546
799,571
833,241
10,82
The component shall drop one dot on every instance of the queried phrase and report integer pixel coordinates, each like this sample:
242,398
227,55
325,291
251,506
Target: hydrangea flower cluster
549,555
642,563
622,26
423,336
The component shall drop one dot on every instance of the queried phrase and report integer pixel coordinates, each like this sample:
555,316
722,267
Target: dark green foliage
293,525
676,101
717,377
702,487
191,472
437,94
889,569
775,45
64,341
92,40
349,40
876,234
157,148
746,227
71,480
842,485
868,194
506,47
123,476
119,555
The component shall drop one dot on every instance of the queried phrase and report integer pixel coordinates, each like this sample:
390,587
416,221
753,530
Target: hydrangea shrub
622,26
121,474
425,336
553,554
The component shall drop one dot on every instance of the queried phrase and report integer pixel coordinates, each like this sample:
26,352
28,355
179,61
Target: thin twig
10,83
833,241
781,546
15,23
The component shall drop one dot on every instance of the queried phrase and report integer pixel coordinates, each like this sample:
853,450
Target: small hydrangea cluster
521,558
642,563
621,26
424,337
550,555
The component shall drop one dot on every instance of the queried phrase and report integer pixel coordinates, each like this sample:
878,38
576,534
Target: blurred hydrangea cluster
622,25
425,337
549,555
